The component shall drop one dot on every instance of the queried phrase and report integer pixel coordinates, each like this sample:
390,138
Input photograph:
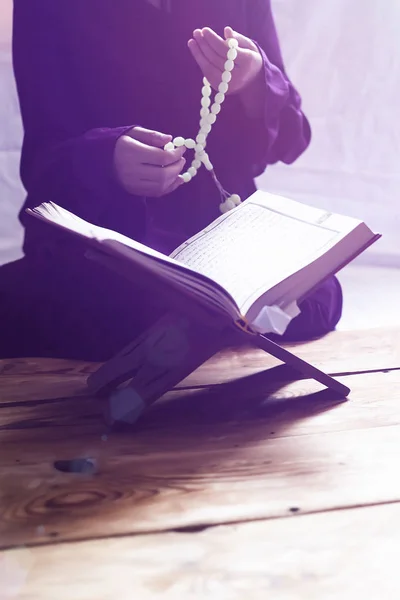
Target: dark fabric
80,310
320,313
86,72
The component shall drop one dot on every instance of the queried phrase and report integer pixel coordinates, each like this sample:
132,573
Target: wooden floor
241,483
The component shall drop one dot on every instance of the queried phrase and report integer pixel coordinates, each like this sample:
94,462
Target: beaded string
208,117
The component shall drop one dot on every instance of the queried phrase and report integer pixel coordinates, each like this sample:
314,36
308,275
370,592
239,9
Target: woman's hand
143,168
209,51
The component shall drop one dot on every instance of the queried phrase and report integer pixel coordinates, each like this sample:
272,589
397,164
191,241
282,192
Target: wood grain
266,401
347,554
213,451
235,452
337,353
45,366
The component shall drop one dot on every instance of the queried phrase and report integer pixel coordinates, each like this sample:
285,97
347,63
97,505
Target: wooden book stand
172,348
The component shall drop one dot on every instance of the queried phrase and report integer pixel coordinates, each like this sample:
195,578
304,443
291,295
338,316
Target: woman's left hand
209,51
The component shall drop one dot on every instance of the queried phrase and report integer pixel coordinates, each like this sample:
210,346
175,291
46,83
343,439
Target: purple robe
86,72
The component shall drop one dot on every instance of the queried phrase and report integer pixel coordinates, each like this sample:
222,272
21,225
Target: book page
177,274
61,217
247,252
257,245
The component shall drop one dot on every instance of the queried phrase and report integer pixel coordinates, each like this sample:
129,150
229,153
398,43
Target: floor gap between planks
201,528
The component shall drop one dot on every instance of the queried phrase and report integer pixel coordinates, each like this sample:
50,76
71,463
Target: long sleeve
283,133
63,158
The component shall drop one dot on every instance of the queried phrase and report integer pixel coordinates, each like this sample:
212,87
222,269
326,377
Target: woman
102,87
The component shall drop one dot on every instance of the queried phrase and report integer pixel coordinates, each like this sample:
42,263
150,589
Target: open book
254,263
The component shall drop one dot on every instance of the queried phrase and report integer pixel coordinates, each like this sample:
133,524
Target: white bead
208,117
179,141
227,206
206,128
205,159
190,144
232,54
235,198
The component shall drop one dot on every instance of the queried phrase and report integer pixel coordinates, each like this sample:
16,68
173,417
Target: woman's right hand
143,167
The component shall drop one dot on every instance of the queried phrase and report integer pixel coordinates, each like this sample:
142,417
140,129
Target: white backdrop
344,57
11,192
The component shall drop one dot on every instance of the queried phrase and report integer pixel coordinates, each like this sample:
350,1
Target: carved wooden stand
173,347
167,353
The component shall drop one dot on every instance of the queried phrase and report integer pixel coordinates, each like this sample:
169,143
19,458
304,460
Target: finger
170,173
148,188
150,137
246,47
208,69
152,189
243,41
141,154
174,186
160,158
215,42
163,177
212,56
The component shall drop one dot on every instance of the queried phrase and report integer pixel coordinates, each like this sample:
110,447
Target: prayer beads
208,118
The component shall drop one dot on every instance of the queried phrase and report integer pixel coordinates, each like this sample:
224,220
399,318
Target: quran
252,265
233,283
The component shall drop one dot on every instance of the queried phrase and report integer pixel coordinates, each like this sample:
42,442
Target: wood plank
338,352
27,379
345,554
209,457
45,366
267,404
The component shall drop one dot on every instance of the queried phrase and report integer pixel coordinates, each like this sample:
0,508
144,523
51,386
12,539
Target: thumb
150,137
243,41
